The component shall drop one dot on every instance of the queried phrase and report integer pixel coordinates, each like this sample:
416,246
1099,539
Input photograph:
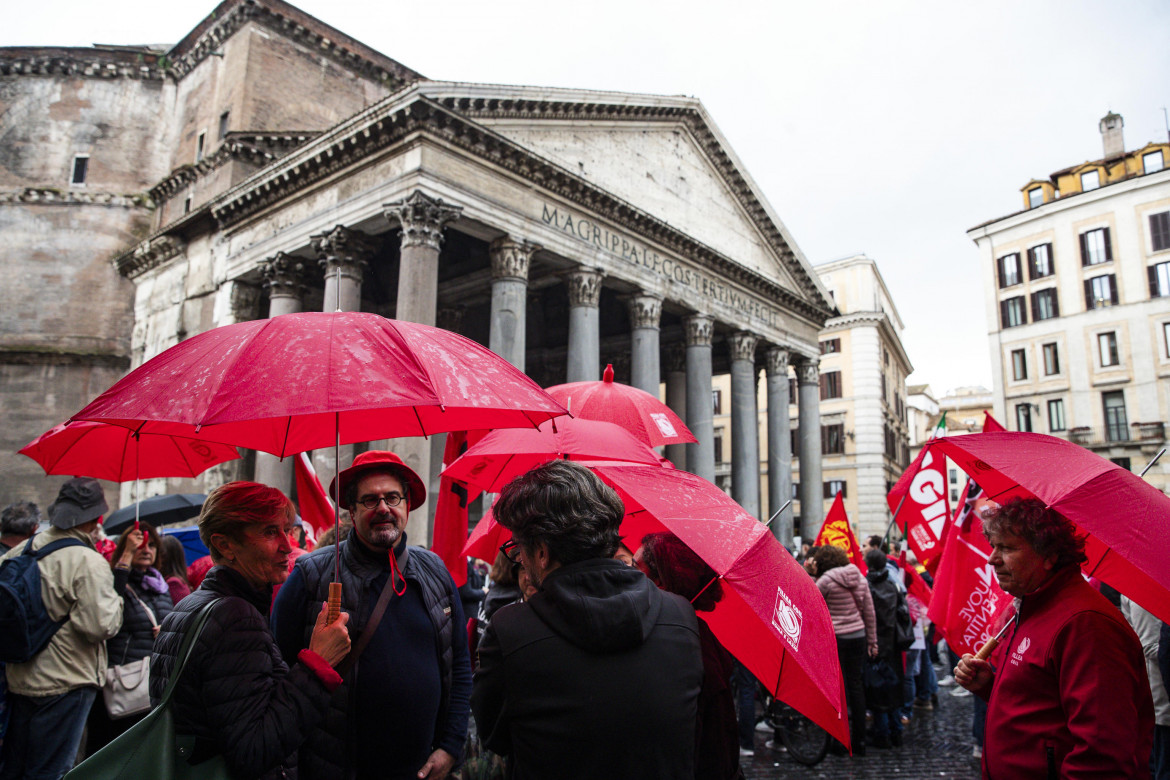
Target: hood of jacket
847,576
600,605
879,576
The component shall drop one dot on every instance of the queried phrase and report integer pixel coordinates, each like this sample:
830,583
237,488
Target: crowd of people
582,655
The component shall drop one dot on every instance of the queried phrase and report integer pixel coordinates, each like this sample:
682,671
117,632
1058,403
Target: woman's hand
330,640
133,542
873,649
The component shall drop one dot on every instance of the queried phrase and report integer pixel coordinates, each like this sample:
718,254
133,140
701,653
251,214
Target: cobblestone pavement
937,743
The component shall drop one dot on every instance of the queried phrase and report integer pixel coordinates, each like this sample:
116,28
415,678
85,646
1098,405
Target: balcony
1150,436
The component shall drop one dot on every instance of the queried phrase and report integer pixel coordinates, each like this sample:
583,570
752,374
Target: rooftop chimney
1110,126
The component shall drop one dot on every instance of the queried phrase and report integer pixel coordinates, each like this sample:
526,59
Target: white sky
888,128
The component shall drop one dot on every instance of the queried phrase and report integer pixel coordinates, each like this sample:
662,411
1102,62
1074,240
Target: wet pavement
937,743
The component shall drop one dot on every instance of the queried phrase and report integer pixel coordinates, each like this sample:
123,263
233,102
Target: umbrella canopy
502,455
297,381
1127,520
639,412
156,510
103,451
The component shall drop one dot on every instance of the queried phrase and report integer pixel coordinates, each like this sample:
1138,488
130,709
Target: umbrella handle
987,649
334,601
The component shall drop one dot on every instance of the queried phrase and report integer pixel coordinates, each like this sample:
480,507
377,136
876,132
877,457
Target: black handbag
150,748
903,626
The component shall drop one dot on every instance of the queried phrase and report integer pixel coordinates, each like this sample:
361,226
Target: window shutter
1023,310
1003,317
1035,303
1112,288
1084,251
1108,247
1088,295
1031,264
999,271
1152,274
1160,231
1055,297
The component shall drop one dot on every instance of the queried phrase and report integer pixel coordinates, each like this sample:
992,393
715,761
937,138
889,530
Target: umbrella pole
776,514
335,586
1150,465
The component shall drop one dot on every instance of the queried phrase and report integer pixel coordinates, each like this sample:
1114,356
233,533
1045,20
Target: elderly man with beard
1066,689
598,674
402,711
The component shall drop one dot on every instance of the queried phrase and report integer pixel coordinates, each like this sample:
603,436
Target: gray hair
20,518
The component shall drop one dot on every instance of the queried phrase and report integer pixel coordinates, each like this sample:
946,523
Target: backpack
25,626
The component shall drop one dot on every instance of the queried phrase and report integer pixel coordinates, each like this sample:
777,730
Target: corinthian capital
422,219
510,258
807,371
776,362
699,330
743,345
284,275
645,311
584,288
344,249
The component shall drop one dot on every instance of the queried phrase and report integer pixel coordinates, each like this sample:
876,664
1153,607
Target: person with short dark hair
884,697
598,674
18,522
1066,688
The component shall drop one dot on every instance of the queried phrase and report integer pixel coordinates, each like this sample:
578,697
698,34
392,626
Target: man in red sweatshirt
1066,689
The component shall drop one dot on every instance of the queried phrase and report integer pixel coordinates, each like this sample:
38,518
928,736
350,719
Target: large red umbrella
503,455
298,382
1127,520
102,451
639,412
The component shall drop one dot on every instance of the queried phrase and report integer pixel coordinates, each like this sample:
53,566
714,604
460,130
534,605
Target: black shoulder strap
185,649
51,547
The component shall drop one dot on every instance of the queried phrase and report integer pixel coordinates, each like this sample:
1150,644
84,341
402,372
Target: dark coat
886,601
135,639
236,695
598,675
717,741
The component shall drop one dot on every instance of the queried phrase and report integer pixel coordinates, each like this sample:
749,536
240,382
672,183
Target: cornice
259,149
86,63
149,254
48,196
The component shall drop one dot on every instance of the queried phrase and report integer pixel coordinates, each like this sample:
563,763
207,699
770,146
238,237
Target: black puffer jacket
136,637
236,694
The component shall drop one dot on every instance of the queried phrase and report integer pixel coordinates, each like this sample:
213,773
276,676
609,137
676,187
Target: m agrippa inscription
635,253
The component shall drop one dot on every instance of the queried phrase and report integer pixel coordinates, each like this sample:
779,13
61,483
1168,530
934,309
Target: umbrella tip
608,375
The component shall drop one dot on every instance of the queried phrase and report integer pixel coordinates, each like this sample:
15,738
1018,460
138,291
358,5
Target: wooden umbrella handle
987,649
334,601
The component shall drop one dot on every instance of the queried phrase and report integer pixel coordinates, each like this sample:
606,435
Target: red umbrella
92,449
1127,520
485,539
503,455
639,412
303,381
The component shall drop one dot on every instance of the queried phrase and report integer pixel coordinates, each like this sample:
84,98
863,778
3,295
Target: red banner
316,509
917,586
451,512
925,510
837,532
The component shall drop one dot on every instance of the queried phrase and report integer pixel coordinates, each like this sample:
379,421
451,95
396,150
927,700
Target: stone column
779,444
344,254
422,219
812,507
584,360
676,397
645,315
284,281
510,261
745,426
700,456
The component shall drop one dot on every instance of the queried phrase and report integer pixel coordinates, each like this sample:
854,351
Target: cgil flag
837,532
920,503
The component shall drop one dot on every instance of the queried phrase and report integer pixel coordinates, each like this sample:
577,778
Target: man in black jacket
884,696
598,674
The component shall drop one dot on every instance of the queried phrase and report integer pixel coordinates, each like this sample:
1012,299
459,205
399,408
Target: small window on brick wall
80,169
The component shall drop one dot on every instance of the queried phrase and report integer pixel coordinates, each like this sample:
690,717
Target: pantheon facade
566,229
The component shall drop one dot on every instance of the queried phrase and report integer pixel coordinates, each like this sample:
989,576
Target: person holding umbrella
1066,688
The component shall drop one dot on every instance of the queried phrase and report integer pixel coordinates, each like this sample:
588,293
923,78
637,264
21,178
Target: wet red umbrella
1127,520
639,412
485,539
502,455
303,381
102,451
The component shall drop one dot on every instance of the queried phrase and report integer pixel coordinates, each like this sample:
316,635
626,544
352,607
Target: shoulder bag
127,688
150,748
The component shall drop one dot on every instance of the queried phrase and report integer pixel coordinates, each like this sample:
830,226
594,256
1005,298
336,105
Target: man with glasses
597,675
403,708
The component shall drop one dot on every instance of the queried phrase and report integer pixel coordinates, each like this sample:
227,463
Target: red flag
451,512
917,586
991,424
925,510
316,509
837,532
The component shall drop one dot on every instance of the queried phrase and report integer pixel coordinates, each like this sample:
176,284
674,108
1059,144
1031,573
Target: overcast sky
888,128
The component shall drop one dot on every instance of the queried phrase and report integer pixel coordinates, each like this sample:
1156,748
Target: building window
1116,425
199,147
1024,418
1009,270
1096,247
1013,312
717,402
1160,231
1035,197
795,491
223,124
717,440
1125,463
1056,415
1045,305
833,487
954,496
829,346
1090,180
833,439
1019,365
1040,261
792,390
80,169
884,388
1051,360
792,444
1166,337
187,205
1152,162
1160,280
1101,291
830,385
1107,349
953,476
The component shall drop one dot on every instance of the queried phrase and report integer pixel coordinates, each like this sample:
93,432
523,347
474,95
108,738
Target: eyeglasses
511,549
371,502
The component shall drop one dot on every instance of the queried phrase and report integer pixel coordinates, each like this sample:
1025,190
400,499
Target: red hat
381,460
